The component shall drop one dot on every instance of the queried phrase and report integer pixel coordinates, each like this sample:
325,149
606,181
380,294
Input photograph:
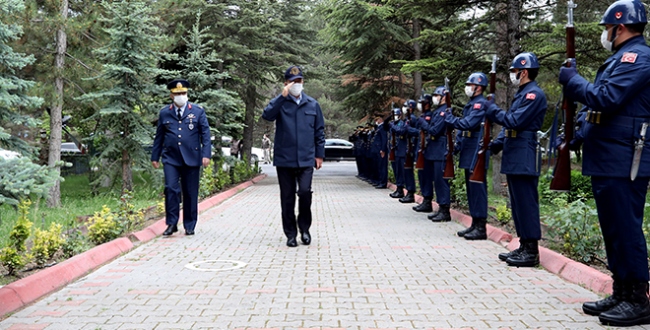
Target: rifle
478,174
562,172
449,159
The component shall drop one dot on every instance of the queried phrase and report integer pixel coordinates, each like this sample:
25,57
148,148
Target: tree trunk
127,175
54,156
250,100
417,54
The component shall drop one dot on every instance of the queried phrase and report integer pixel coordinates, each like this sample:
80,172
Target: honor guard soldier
521,156
616,157
434,156
425,175
355,138
183,140
469,128
411,134
399,144
380,153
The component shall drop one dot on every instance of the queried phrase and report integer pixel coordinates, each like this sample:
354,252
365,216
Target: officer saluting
183,140
617,158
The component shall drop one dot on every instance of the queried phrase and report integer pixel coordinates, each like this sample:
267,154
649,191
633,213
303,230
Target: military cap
178,85
293,72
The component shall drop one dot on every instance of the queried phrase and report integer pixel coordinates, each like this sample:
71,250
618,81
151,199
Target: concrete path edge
556,263
25,291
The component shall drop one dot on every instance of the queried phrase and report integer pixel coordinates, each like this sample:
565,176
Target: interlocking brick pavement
373,264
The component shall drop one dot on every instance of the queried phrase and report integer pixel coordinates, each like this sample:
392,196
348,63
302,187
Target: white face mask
180,100
404,109
469,91
513,78
436,100
605,42
295,89
419,106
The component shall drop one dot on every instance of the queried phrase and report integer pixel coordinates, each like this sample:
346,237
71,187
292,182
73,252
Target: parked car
257,153
69,148
8,154
338,149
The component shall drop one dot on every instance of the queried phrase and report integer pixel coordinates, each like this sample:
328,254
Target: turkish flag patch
629,57
530,96
477,105
427,118
442,113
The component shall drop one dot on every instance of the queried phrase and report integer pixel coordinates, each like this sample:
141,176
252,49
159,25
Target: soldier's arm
527,111
272,110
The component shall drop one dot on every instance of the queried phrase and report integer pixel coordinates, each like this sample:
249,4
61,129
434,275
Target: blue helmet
477,78
625,12
440,91
426,99
525,61
397,111
411,104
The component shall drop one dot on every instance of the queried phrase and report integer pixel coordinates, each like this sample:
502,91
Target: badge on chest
191,117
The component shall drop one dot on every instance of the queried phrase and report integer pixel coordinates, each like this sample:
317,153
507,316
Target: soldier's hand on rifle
456,148
495,148
574,145
568,70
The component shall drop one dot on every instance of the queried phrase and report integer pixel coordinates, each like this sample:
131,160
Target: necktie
178,113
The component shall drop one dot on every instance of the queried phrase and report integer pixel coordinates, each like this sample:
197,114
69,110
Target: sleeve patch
442,113
427,118
530,96
629,57
477,105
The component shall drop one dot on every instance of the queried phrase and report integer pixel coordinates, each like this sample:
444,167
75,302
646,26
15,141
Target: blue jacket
521,154
380,140
622,94
182,142
469,129
435,129
401,137
299,131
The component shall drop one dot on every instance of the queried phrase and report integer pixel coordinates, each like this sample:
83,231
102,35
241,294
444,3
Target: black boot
633,310
527,257
597,307
399,193
479,231
425,206
505,255
442,215
462,233
409,198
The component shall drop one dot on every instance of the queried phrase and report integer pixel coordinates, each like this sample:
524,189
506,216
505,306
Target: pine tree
131,56
14,91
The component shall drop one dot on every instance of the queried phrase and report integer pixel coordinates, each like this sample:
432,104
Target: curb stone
25,291
556,263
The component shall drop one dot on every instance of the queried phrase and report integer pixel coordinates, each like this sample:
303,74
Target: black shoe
398,193
189,232
170,230
634,308
291,242
595,308
443,214
305,238
462,233
479,232
505,255
527,257
409,198
425,206
381,186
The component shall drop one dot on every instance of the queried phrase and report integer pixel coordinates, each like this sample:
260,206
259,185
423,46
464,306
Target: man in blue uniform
469,128
521,157
380,153
299,147
616,156
434,155
411,136
425,175
183,140
399,145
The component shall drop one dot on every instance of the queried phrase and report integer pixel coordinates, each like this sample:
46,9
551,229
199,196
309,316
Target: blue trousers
425,177
620,203
409,179
398,170
476,197
290,178
382,169
441,185
524,201
182,182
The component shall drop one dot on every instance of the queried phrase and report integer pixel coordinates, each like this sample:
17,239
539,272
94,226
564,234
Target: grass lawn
77,200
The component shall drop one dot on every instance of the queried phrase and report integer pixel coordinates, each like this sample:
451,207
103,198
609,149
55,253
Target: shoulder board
477,105
629,57
530,96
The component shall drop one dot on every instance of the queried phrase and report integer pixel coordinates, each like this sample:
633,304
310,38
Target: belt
595,117
511,133
468,134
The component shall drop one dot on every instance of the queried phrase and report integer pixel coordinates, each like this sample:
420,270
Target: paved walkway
373,264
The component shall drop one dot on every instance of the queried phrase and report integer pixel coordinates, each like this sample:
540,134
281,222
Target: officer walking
521,157
399,144
616,157
434,156
411,135
469,128
425,175
380,153
299,147
183,140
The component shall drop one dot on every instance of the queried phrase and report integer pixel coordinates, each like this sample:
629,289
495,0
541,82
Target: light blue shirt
182,109
297,99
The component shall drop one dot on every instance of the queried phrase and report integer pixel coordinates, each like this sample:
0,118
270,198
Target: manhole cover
215,265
